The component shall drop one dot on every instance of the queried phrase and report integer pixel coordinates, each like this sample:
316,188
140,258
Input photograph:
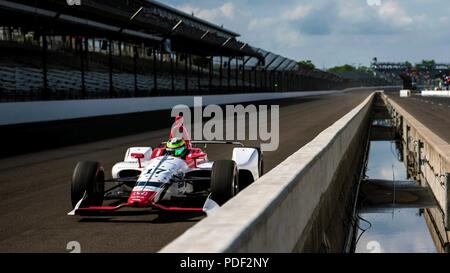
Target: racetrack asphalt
35,188
433,112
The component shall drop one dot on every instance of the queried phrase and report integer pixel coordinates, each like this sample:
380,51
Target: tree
428,64
306,65
342,69
349,68
365,70
408,65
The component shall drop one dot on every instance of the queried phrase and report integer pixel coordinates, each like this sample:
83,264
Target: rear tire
89,177
224,181
260,162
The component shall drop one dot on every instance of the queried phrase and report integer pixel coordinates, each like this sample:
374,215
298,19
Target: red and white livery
151,178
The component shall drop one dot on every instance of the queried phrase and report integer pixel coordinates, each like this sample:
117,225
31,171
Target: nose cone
141,198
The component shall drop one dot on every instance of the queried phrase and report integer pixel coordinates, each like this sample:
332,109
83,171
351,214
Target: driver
176,147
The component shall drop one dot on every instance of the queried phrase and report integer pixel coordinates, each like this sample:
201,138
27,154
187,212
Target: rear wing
179,128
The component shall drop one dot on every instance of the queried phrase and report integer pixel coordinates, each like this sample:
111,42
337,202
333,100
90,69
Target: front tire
88,177
260,162
224,181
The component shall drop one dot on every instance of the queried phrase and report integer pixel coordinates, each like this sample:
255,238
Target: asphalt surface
35,188
433,112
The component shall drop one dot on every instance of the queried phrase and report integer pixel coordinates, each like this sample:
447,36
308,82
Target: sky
398,230
335,32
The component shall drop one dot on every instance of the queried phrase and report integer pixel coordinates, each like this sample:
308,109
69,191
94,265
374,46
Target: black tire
224,181
260,162
89,177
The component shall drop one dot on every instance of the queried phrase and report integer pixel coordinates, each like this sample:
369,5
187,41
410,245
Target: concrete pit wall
429,162
299,206
331,221
433,156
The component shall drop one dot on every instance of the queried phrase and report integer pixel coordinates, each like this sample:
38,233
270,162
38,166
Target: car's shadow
146,216
143,215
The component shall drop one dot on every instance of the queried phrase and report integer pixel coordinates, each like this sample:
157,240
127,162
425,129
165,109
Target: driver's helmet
176,147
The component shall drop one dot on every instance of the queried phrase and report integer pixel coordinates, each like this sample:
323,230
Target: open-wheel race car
176,176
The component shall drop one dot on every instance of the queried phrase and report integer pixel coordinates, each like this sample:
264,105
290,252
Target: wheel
89,177
260,162
224,181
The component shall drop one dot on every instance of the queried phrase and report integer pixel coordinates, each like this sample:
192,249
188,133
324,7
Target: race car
176,176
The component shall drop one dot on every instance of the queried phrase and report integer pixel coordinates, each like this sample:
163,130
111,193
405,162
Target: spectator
447,82
439,83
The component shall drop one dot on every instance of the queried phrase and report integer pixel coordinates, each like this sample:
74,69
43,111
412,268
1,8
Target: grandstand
130,48
365,78
424,75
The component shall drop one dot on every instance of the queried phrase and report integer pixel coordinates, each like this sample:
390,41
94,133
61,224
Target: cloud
297,13
262,23
328,17
385,19
394,13
226,10
352,11
321,20
287,16
402,231
341,17
334,32
282,32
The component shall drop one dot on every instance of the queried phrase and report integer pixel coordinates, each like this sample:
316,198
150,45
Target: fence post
229,73
172,77
237,73
256,80
44,66
220,74
186,83
86,52
83,81
210,74
243,77
111,87
190,74
135,59
199,84
155,76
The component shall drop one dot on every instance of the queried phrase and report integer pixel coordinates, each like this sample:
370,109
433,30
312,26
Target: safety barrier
27,112
274,213
437,93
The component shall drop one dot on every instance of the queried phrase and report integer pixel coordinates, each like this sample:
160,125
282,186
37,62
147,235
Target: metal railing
58,68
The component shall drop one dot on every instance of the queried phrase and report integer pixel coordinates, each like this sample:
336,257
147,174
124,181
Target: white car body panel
205,166
161,170
131,163
146,151
247,159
